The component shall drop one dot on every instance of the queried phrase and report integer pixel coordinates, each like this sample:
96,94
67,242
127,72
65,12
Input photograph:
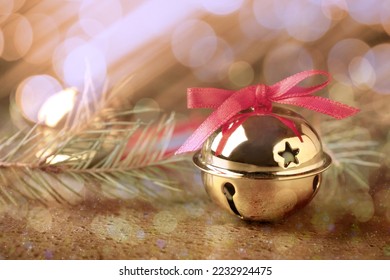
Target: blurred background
167,46
49,47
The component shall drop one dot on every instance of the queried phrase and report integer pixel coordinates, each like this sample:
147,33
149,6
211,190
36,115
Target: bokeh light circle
362,73
286,60
61,52
116,228
45,38
251,27
379,57
241,73
95,18
164,222
194,43
217,66
363,208
266,14
17,4
341,55
56,108
342,93
334,9
18,32
40,219
366,12
303,19
76,30
146,104
222,7
32,93
85,63
6,9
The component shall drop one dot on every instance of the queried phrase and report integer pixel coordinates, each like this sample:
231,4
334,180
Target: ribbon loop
228,103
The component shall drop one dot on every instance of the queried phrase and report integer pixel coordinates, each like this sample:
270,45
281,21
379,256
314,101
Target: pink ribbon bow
259,97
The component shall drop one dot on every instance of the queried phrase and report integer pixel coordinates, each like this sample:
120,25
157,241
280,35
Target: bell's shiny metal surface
264,171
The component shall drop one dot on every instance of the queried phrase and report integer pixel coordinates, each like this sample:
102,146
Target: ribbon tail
226,133
195,141
322,105
290,124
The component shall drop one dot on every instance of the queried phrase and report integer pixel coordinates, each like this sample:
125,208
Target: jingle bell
264,171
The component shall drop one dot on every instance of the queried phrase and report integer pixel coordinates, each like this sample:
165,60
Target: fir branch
104,158
352,152
108,151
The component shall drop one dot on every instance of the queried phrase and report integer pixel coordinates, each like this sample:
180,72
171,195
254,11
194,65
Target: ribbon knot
228,104
263,102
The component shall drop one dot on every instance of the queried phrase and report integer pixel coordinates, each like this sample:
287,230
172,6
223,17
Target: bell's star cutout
289,155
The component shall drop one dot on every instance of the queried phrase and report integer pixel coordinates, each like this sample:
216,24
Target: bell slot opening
316,182
229,191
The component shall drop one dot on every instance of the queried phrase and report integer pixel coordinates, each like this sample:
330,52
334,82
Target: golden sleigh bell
264,171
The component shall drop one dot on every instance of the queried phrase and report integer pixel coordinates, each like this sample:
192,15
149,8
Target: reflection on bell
263,171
